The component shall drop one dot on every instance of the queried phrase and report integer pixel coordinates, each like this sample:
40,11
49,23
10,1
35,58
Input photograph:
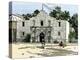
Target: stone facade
53,29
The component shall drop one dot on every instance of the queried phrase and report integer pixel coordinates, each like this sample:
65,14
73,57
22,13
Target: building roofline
17,15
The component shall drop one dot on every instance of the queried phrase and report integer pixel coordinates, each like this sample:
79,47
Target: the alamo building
42,24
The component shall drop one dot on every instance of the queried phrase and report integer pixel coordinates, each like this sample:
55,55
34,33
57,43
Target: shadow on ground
48,52
57,52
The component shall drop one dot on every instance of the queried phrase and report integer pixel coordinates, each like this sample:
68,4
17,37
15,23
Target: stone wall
42,16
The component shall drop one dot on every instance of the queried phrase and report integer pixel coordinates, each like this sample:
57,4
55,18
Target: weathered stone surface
47,20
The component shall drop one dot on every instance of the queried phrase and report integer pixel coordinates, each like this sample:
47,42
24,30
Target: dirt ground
32,50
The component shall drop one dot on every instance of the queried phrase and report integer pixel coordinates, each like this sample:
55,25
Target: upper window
41,23
23,24
59,24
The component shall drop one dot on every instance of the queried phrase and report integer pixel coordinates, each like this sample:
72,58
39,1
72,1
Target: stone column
31,34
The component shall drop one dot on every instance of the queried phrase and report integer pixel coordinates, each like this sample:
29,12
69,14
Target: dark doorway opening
42,37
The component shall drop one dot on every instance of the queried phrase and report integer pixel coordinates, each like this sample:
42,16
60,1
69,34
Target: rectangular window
59,33
59,24
23,33
23,24
41,23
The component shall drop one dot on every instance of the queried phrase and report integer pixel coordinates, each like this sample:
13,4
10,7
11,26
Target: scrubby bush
56,42
71,36
27,38
62,44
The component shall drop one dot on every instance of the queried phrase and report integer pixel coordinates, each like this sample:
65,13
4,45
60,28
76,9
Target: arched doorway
42,37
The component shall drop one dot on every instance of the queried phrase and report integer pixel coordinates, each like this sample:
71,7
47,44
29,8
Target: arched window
41,23
59,24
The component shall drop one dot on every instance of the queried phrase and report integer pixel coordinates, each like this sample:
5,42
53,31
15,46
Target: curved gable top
43,15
